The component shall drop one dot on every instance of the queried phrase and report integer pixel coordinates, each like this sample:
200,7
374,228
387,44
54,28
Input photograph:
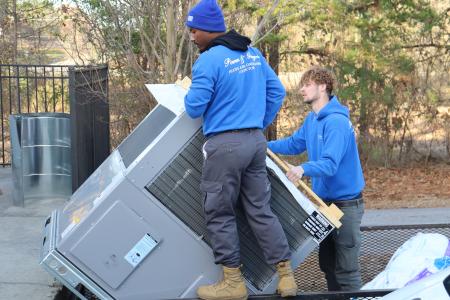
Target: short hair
319,75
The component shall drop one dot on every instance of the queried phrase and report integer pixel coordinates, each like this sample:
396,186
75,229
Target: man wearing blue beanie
238,95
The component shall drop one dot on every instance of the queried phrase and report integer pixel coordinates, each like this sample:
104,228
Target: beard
308,101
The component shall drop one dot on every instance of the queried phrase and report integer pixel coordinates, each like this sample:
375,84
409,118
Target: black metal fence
81,91
30,89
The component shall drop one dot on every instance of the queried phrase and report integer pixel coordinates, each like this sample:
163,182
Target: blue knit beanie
206,16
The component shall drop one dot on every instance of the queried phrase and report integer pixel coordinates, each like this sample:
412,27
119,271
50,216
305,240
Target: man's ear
323,87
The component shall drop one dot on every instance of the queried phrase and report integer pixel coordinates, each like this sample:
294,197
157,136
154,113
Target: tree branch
430,45
311,51
264,20
265,34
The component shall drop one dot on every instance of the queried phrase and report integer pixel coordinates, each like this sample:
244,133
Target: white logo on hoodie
228,61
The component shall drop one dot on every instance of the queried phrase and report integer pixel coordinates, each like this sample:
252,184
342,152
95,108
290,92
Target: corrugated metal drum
41,156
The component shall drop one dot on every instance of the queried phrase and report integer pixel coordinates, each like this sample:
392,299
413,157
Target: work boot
286,286
232,287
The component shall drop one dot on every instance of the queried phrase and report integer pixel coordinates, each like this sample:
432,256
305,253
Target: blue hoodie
233,87
333,159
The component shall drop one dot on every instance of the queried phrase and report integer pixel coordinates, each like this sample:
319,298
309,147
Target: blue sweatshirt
333,159
233,89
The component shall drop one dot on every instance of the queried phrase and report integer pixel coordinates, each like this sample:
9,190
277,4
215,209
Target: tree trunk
272,52
171,37
15,34
363,122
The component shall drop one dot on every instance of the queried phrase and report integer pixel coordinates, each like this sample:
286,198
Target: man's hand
185,83
295,173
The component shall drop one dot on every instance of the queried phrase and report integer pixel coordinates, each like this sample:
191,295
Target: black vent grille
178,188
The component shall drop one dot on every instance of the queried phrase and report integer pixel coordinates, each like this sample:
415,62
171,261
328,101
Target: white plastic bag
422,255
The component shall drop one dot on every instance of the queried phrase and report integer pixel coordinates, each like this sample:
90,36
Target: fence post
89,110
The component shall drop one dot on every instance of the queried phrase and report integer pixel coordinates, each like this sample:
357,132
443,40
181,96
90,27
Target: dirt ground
418,186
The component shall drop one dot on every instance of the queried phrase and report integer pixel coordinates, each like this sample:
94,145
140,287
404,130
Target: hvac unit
135,229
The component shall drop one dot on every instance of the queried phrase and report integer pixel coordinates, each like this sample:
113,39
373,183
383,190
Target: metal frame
344,295
406,227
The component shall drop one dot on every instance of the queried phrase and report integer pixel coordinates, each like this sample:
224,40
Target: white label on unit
140,250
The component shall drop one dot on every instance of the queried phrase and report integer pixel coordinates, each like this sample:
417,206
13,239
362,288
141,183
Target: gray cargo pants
339,252
234,169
